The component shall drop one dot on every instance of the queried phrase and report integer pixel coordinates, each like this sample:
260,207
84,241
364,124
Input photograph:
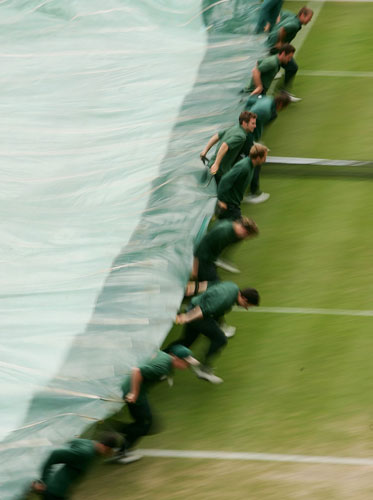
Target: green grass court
293,383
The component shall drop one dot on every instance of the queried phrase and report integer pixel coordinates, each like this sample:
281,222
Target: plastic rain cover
105,108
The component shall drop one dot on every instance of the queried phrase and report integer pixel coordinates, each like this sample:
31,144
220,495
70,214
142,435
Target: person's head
286,53
305,15
282,100
245,228
182,357
258,154
247,120
106,443
248,297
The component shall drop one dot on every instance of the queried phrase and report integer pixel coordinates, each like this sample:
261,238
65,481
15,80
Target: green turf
292,383
334,117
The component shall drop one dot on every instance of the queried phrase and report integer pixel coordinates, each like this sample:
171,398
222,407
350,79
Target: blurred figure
135,393
266,69
284,32
232,187
230,143
269,12
266,109
73,462
222,235
203,318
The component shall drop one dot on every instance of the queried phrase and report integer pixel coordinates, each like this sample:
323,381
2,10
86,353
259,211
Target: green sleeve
221,133
62,456
235,141
266,64
156,368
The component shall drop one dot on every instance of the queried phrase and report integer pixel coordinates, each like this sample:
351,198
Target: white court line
291,160
338,74
262,457
306,310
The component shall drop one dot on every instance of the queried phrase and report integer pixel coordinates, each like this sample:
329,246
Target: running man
230,143
65,466
266,69
203,318
232,188
222,235
135,393
284,32
266,109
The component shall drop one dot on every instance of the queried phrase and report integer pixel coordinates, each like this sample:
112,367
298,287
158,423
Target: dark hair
251,295
108,439
246,116
282,98
305,11
287,48
249,225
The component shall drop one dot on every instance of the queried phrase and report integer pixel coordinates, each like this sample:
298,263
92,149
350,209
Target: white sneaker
226,265
207,374
258,198
293,98
129,457
228,330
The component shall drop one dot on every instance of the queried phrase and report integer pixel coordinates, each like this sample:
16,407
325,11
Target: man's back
265,110
73,461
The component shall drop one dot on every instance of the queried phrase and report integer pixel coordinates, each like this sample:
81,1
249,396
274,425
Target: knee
222,341
148,424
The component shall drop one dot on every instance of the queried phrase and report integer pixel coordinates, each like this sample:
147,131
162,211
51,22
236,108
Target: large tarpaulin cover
105,108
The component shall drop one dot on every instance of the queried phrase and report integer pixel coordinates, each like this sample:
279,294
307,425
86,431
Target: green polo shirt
213,243
73,463
152,372
233,185
268,68
265,109
217,300
291,25
235,138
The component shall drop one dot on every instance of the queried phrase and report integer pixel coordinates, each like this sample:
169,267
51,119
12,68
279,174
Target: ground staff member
135,392
266,109
230,142
285,32
73,462
266,69
268,14
223,234
203,318
232,188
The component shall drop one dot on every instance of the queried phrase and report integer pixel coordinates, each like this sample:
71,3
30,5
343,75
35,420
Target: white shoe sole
129,459
210,377
227,267
254,200
229,331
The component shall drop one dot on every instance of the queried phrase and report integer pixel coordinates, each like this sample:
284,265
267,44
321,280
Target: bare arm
193,314
136,380
214,139
257,81
195,287
222,151
195,267
281,37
